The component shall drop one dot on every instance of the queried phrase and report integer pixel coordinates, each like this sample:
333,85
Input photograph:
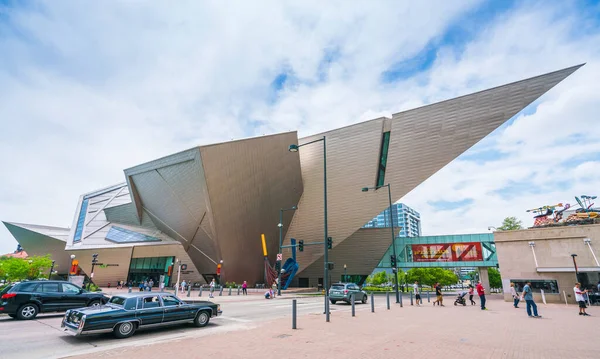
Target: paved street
43,337
257,326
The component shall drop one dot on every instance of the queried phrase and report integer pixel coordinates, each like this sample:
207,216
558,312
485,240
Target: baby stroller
461,299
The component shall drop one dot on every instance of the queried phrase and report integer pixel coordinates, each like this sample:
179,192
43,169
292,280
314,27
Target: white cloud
87,90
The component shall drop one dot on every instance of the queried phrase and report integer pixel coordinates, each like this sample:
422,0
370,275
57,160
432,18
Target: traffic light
393,261
301,245
329,243
219,269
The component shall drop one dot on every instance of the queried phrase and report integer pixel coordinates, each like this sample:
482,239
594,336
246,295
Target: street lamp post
51,269
575,265
395,264
294,148
221,273
94,261
178,276
280,225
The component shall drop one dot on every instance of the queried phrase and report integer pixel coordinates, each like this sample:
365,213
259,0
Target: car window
337,287
70,288
169,301
117,300
47,288
151,302
25,287
130,304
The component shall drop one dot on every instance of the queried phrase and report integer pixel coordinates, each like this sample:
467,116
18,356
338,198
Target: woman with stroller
515,295
471,293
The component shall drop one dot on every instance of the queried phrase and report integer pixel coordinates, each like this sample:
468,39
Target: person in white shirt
417,294
515,295
579,297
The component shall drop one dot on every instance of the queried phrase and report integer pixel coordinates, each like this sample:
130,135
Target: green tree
378,278
16,269
511,224
430,276
495,278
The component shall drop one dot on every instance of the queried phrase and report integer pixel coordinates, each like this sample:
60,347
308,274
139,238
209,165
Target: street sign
183,266
279,256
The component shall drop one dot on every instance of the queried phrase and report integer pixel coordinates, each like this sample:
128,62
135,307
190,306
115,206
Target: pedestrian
150,285
515,295
528,297
471,293
274,288
183,284
579,297
481,294
598,287
212,288
417,293
245,288
439,297
269,294
141,286
108,285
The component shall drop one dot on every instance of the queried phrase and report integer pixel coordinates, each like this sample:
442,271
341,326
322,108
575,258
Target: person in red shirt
481,293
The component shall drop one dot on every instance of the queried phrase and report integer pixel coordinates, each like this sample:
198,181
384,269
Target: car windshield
337,286
117,300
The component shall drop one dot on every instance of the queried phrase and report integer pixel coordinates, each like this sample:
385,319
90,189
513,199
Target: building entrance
144,269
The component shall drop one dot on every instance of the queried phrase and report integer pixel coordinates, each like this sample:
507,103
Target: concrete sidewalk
431,332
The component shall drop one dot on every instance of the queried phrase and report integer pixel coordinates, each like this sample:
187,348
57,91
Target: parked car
344,291
126,313
26,299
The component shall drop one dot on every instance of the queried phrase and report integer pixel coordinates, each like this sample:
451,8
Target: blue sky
87,90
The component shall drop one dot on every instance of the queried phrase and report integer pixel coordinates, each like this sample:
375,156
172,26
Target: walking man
417,294
579,297
439,297
245,288
528,296
212,288
481,294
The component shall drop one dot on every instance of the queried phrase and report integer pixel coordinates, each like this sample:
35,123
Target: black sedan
126,313
26,299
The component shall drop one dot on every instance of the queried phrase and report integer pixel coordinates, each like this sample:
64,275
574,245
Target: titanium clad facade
421,142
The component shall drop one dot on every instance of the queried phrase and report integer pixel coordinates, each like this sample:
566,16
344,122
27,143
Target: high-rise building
404,217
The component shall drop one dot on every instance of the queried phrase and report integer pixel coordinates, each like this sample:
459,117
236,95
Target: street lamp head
573,255
72,256
293,148
221,261
532,244
294,207
279,225
587,240
345,266
365,189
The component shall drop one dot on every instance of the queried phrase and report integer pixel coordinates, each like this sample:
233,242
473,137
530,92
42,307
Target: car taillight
9,295
346,291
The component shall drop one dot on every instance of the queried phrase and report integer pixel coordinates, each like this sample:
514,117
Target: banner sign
447,252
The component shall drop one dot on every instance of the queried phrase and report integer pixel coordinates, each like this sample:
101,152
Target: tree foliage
494,277
383,278
430,276
16,269
511,224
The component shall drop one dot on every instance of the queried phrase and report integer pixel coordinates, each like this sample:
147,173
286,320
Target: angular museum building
211,204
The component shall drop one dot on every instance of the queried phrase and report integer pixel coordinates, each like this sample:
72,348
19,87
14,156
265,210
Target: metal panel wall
248,182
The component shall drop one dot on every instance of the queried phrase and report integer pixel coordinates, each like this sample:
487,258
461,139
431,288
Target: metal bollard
411,298
238,290
428,300
388,300
221,291
353,309
189,291
294,314
401,305
200,292
372,304
129,291
229,291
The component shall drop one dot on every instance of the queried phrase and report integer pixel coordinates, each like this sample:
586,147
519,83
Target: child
579,297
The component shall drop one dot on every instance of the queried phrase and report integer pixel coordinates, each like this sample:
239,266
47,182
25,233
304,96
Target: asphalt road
43,337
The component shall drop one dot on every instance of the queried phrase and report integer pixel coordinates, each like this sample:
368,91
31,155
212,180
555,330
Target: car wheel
95,303
124,330
202,319
27,311
333,301
364,299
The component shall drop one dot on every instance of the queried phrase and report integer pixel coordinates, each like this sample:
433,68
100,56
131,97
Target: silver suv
343,292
